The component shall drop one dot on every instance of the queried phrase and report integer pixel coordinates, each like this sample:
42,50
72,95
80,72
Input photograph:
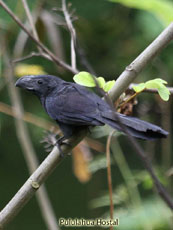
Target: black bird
73,107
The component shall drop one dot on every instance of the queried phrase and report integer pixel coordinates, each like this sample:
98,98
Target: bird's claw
50,141
59,142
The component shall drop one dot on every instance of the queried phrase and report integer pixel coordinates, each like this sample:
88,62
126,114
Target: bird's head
40,85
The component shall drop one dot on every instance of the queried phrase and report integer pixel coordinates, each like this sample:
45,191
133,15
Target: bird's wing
74,106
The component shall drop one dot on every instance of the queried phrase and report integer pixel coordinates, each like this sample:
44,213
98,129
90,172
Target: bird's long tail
135,127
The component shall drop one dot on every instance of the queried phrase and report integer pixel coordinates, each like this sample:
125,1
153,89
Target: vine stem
109,176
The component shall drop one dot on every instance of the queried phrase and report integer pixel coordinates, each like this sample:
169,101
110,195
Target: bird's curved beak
25,82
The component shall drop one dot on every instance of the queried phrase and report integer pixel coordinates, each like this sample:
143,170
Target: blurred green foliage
162,9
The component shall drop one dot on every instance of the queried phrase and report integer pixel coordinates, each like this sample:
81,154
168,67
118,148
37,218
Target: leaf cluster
158,84
89,80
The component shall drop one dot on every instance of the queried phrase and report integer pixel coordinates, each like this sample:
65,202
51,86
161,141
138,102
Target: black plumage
72,106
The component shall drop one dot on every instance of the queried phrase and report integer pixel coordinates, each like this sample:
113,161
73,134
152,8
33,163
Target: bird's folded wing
74,108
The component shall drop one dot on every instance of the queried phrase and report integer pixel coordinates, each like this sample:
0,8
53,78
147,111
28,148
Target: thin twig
72,33
44,48
30,19
129,99
109,176
33,54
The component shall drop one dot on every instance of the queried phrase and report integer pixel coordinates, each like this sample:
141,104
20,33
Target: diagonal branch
31,55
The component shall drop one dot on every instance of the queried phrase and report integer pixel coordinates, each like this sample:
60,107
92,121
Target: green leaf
138,88
164,93
85,79
101,82
158,84
160,80
155,83
152,84
162,9
109,85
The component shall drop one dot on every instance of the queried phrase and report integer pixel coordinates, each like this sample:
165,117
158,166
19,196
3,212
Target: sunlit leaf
164,93
85,79
152,84
158,84
101,81
108,86
138,88
160,80
155,83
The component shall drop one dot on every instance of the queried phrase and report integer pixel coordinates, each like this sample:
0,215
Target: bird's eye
40,82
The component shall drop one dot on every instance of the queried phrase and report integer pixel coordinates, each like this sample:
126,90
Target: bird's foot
50,140
58,144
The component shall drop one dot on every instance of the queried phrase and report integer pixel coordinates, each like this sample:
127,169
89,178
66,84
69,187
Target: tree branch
32,54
